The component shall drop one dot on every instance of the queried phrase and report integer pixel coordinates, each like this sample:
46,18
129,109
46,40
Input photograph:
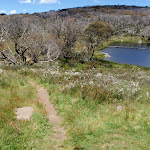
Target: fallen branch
6,57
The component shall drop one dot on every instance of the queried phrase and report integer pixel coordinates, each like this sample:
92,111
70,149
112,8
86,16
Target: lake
129,53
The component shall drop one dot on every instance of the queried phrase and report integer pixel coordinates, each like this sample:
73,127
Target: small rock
24,113
105,54
119,108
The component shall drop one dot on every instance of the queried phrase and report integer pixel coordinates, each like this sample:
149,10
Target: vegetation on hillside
65,34
103,105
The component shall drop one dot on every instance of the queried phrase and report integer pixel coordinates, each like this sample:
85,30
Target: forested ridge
125,19
63,34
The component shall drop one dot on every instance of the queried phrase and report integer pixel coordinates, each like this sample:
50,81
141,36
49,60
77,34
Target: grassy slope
87,97
89,108
15,93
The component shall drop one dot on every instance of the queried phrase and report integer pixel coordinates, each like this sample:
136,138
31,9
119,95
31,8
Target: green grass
15,93
94,126
87,97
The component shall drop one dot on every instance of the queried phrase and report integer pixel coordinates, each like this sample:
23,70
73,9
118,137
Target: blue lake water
129,53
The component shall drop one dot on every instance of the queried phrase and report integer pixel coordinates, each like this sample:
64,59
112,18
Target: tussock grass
102,107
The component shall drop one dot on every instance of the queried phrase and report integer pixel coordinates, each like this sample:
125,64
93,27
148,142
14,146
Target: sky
32,6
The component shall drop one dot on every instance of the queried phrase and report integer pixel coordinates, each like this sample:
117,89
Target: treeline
130,20
67,34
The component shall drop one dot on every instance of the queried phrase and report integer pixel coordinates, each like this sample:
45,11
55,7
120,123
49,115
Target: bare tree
18,32
36,46
56,28
4,54
53,47
70,34
2,30
146,33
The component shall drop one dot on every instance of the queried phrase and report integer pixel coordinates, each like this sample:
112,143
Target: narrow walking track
60,133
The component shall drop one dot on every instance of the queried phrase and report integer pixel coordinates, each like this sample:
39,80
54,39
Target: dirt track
60,133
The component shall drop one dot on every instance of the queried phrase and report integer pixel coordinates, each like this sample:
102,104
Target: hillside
131,20
63,33
50,64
